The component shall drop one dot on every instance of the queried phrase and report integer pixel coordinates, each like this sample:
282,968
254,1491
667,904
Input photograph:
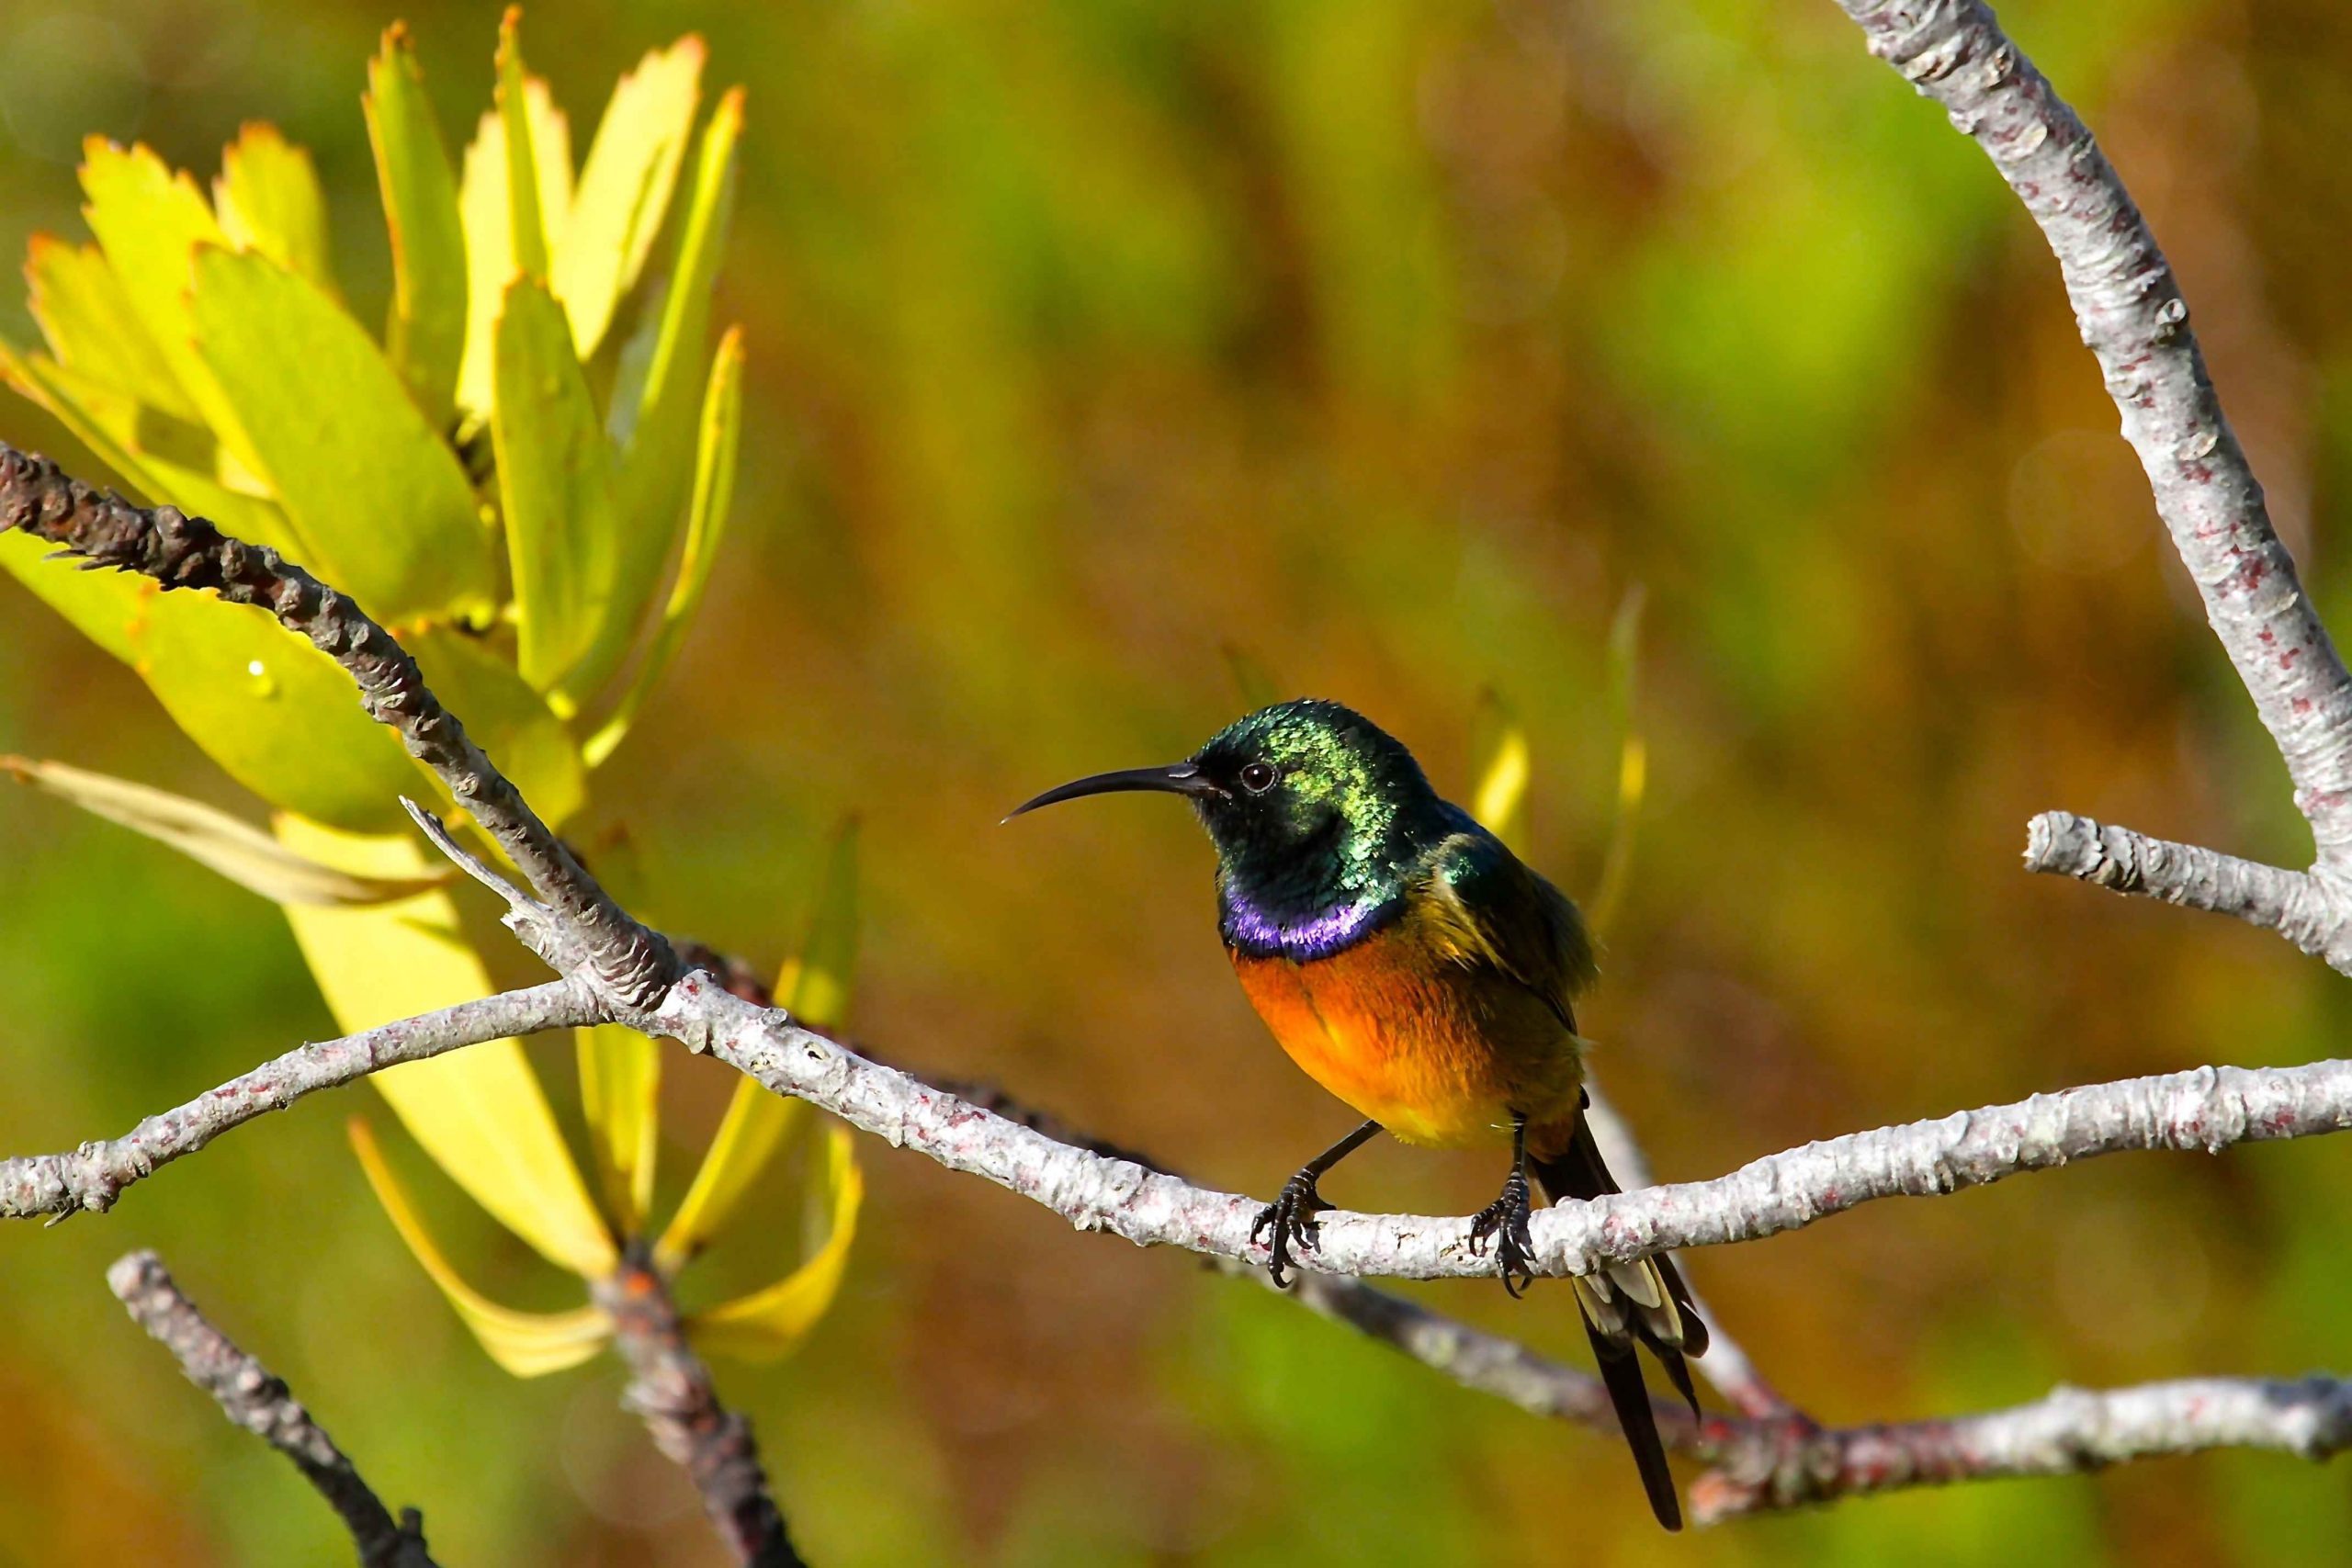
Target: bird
1416,968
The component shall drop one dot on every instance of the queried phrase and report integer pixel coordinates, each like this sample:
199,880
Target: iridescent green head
1316,811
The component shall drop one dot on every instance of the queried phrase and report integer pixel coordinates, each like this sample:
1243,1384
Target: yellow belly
1435,1053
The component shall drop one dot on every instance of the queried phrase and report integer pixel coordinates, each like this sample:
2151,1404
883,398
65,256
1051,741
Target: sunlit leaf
427,336
659,415
555,480
149,222
511,722
380,501
92,327
268,200
1632,763
538,172
714,494
814,987
1499,763
620,1090
489,218
480,1112
768,1323
101,605
624,188
281,717
234,848
526,1344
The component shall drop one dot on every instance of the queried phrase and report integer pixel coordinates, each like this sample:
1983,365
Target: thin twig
2208,1109
2133,319
671,1390
262,1405
1764,1466
179,551
93,1176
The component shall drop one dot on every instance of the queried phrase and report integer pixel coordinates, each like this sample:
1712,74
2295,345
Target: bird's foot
1505,1219
1291,1216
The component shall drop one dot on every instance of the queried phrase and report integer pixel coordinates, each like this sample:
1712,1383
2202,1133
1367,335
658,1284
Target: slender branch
1764,1466
262,1405
92,1177
671,1390
2208,1109
2133,319
2311,908
179,551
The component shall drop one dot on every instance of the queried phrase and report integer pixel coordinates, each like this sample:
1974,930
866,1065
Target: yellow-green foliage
508,484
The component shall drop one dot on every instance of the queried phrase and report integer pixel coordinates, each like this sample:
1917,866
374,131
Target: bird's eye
1259,777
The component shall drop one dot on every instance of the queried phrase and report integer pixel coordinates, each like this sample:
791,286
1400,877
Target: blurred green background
1394,342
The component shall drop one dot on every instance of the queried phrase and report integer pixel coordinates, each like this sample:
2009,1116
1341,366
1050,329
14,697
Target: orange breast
1433,1052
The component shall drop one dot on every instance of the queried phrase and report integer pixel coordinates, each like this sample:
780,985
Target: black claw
1505,1220
1292,1216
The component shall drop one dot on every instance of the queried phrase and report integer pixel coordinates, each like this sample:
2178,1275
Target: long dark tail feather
1578,1171
1620,1373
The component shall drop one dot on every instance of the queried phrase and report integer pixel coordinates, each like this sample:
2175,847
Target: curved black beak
1183,778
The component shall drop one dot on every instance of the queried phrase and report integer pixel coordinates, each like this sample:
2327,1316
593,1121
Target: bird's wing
1485,909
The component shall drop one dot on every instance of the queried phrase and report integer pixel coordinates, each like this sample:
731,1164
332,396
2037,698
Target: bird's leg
1506,1218
1292,1213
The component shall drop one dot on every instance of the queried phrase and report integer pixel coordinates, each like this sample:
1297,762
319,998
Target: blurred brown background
1393,342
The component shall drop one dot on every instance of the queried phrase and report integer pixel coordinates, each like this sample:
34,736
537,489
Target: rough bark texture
262,1405
93,1176
179,551
671,1390
2134,321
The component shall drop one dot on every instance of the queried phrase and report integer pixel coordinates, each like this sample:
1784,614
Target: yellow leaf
480,1112
382,506
1502,768
488,218
531,211
1632,764
814,987
620,1095
237,850
555,485
148,222
527,1343
624,188
92,327
714,495
427,331
279,716
269,200
770,1323
656,403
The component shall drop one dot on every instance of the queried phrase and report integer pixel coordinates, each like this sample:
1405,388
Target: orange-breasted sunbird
1418,969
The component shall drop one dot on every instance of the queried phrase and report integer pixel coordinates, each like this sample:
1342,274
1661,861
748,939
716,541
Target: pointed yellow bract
624,188
480,1112
814,987
1501,766
527,1343
620,1096
268,199
427,332
767,1324
149,222
1632,763
487,210
714,496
